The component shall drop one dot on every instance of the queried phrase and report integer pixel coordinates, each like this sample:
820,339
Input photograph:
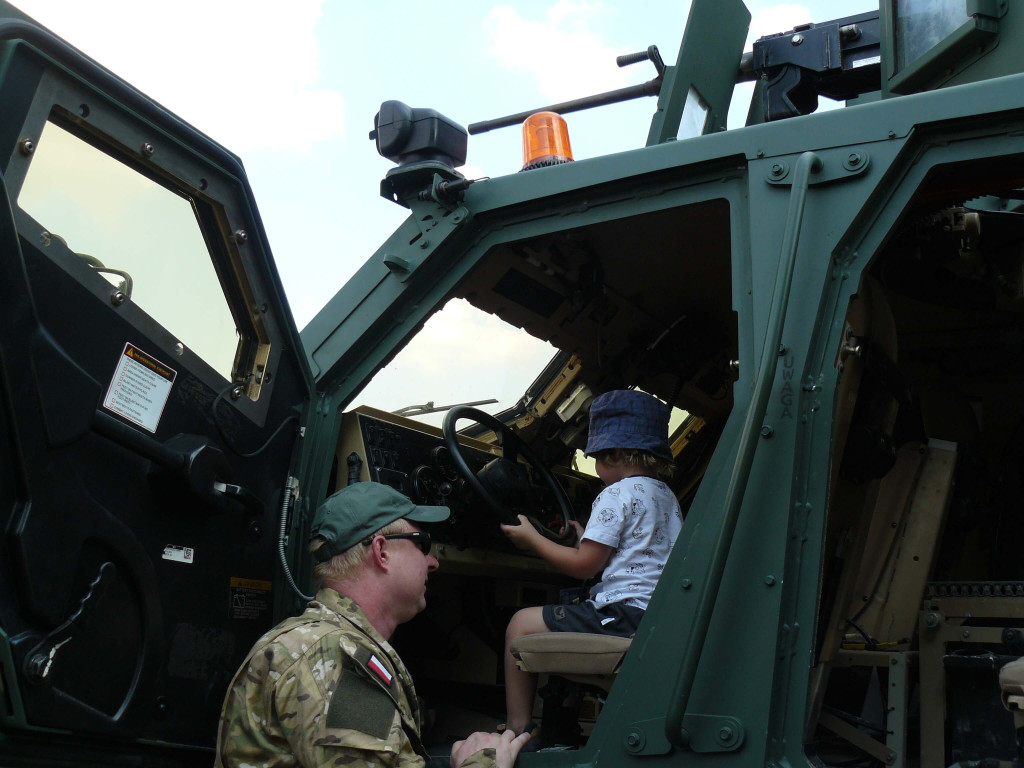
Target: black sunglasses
421,538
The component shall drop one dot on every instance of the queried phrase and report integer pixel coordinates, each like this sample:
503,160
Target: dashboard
410,456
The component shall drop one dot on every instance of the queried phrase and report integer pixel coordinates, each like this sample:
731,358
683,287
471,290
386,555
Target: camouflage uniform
324,689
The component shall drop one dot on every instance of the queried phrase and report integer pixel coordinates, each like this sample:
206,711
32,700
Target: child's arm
579,562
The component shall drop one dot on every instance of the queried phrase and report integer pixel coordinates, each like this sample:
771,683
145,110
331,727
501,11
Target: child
633,524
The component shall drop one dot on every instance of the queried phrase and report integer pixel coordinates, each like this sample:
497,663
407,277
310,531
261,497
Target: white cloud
462,354
561,51
242,71
455,334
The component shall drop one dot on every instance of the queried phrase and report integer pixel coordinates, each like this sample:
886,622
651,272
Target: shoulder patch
376,666
361,705
373,665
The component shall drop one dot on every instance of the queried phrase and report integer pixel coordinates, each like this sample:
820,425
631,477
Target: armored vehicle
833,302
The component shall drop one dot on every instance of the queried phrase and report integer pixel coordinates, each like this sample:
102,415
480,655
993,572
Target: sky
293,88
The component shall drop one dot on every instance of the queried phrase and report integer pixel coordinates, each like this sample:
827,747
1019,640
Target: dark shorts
586,617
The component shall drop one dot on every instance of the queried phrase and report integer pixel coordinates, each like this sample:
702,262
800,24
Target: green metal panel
749,697
873,225
709,58
745,637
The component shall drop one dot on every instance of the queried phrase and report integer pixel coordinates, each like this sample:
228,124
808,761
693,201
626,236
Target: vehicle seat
1011,681
571,662
589,659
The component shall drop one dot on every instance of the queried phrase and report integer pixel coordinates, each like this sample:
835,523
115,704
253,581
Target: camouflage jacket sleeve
482,759
356,726
331,716
317,692
319,710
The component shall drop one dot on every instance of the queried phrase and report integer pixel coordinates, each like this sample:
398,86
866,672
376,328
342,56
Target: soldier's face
409,570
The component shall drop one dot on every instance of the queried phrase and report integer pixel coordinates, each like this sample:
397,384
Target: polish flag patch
379,669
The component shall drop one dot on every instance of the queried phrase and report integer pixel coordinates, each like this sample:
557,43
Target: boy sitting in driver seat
633,524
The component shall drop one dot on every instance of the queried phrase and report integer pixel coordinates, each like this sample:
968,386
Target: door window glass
138,235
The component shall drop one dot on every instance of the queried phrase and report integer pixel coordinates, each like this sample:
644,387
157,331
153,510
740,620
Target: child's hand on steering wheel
579,532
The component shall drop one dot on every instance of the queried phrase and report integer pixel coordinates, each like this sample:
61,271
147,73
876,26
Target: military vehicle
835,301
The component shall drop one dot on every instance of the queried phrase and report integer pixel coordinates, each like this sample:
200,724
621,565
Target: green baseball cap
353,513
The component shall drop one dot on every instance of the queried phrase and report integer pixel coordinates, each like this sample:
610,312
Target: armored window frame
944,59
223,215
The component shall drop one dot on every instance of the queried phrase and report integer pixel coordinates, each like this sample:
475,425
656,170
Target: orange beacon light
545,141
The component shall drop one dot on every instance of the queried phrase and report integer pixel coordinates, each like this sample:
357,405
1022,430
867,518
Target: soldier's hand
503,747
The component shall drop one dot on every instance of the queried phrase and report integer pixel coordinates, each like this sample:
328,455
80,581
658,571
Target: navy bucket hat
626,418
353,513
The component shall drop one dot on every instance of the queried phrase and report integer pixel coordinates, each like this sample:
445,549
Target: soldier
326,688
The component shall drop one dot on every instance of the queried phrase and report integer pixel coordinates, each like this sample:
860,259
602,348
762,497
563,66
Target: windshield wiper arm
429,407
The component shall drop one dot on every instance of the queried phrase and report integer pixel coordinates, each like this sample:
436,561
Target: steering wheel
508,468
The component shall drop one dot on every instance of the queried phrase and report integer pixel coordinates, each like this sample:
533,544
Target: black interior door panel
142,464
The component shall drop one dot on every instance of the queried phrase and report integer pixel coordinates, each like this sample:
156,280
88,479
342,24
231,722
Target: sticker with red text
140,388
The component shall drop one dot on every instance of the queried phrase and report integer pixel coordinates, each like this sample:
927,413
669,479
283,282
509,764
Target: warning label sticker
179,554
250,598
140,388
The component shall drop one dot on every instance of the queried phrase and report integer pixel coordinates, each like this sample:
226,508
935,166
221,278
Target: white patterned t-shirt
640,518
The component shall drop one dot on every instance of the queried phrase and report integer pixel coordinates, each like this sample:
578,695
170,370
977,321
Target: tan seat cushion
570,653
1011,680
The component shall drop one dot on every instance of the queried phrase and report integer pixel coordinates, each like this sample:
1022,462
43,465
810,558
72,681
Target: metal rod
807,164
422,410
746,72
650,88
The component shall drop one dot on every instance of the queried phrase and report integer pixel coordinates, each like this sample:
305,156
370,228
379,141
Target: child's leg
520,686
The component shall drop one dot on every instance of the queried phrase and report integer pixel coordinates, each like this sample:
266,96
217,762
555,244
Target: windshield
465,355
462,355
